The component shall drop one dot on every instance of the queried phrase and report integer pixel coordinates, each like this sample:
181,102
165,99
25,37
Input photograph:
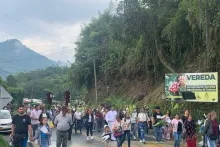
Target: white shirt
90,118
142,117
117,125
126,124
133,117
44,115
111,116
78,115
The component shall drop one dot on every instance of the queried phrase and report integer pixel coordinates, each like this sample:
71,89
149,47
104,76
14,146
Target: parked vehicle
5,121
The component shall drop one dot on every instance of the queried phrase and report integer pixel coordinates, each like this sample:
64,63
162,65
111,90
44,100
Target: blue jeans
177,138
119,141
158,133
24,142
133,129
211,143
141,130
128,134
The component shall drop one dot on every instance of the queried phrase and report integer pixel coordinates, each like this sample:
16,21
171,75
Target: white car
5,121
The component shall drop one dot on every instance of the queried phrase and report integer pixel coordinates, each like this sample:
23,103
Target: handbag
17,138
118,133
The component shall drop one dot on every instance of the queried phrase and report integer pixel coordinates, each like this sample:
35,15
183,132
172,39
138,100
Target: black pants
128,134
70,132
99,124
89,127
78,126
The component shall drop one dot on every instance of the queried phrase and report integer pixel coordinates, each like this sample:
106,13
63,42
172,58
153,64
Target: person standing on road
89,123
117,128
142,119
212,130
63,121
190,132
167,126
99,120
44,113
78,120
157,117
35,115
43,137
110,119
177,125
134,123
21,125
127,129
71,126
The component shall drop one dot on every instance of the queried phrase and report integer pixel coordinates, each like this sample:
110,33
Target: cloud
56,48
49,27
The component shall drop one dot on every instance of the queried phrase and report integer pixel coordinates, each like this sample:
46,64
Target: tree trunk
207,17
162,58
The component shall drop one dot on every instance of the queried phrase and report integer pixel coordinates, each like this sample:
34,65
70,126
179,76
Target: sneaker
134,138
92,137
157,142
141,141
161,142
88,138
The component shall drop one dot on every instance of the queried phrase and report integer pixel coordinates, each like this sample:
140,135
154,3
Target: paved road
80,141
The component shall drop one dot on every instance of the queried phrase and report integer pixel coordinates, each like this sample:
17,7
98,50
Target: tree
11,81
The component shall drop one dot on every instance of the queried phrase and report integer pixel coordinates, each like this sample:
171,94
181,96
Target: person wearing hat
106,136
157,117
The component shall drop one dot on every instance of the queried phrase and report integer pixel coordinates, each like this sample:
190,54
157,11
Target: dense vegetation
37,83
144,39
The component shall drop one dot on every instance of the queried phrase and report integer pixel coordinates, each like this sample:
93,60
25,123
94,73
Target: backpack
179,127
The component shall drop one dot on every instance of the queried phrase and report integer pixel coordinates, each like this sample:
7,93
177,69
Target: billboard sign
197,87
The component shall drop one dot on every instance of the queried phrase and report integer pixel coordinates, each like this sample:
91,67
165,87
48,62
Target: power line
18,60
12,57
35,46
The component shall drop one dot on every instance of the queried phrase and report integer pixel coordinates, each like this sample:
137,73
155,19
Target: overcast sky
49,27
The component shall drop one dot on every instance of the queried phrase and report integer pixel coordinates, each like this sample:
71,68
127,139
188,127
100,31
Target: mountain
16,57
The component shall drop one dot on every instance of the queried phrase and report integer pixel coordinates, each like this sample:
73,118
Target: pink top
175,124
35,116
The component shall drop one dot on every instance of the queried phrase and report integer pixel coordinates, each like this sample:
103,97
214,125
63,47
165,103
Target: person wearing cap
157,117
63,121
110,119
106,136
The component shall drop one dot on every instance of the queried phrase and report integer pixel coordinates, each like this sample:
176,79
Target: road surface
80,141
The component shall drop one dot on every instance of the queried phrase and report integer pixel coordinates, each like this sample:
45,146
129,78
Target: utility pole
32,93
96,91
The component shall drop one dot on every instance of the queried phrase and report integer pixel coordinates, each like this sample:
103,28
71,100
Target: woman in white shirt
142,119
78,121
127,128
167,127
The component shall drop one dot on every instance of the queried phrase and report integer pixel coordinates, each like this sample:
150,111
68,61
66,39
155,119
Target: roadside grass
3,143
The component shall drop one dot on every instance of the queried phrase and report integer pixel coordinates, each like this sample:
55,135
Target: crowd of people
118,125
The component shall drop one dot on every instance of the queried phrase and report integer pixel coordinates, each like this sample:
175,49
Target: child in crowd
43,133
106,136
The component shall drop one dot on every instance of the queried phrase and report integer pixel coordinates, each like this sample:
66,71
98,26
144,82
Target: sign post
192,87
5,98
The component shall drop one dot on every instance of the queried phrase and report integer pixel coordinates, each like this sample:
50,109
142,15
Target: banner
197,87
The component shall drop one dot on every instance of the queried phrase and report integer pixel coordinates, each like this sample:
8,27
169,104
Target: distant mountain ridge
16,57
